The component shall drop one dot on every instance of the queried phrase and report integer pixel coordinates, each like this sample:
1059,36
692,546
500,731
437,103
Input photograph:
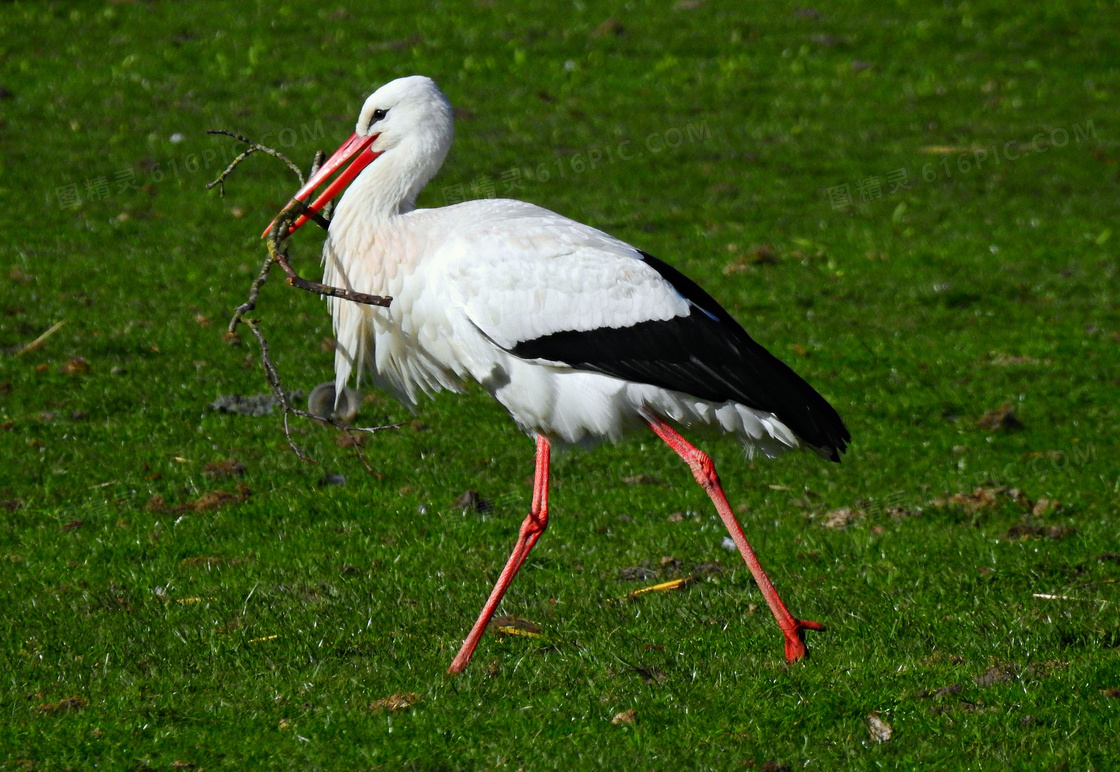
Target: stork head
408,109
409,119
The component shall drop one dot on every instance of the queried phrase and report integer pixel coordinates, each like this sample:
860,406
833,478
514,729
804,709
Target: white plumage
507,272
579,335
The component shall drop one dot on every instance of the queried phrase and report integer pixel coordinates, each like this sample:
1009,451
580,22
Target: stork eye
378,114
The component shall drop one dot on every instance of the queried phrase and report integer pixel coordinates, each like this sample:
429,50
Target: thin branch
275,241
316,162
274,383
273,377
41,339
279,254
250,303
295,280
253,148
279,232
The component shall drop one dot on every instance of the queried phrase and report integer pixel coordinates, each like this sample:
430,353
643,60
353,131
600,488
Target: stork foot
795,639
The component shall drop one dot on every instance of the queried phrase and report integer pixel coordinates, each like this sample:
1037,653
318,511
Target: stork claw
795,639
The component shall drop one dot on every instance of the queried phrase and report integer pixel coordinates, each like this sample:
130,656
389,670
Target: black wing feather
706,354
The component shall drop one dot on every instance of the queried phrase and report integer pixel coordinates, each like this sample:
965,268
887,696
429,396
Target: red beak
357,148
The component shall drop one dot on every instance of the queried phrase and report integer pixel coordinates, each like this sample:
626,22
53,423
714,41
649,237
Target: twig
273,378
278,255
251,302
316,162
297,281
1046,596
40,340
279,232
253,147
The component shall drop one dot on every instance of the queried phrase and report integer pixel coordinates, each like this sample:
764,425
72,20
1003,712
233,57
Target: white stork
578,335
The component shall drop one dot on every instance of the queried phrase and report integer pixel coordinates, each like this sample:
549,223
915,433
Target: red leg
531,529
705,473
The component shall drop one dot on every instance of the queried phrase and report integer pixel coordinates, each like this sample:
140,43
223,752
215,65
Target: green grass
256,633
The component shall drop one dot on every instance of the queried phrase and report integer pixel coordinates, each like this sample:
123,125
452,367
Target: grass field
913,204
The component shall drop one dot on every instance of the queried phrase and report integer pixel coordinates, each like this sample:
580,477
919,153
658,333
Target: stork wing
581,299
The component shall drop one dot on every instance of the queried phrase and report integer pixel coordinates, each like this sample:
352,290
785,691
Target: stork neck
386,188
